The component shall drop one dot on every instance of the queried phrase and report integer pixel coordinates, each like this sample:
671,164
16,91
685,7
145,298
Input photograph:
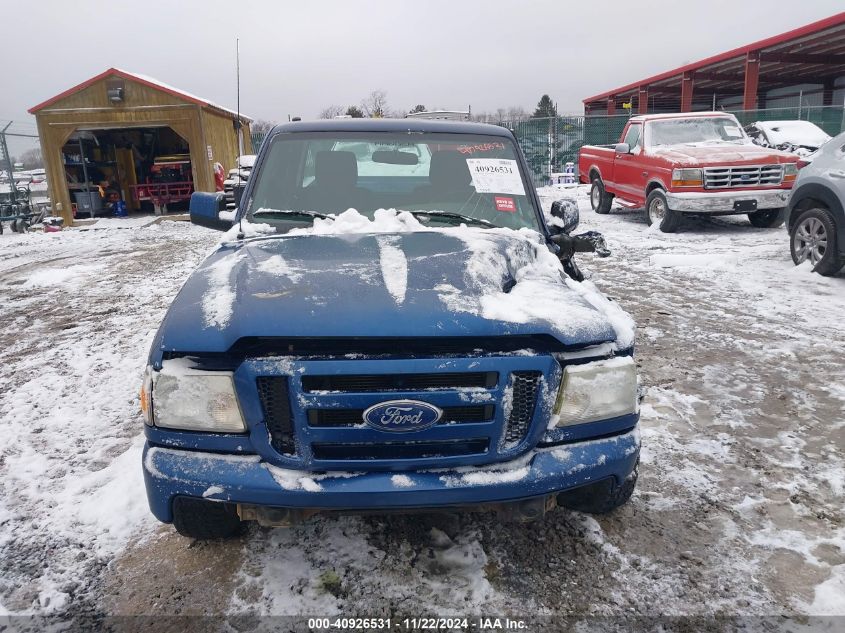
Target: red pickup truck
690,163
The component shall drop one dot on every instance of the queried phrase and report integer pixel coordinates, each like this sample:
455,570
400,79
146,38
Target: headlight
790,172
194,400
687,178
597,391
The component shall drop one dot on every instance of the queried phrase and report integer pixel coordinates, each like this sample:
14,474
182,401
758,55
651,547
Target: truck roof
678,115
392,125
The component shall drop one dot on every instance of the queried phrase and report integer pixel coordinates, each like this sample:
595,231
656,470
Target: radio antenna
239,128
238,98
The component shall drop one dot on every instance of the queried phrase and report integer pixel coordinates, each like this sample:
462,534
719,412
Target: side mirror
205,210
566,211
623,148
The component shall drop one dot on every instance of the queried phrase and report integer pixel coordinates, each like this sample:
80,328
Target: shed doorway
147,168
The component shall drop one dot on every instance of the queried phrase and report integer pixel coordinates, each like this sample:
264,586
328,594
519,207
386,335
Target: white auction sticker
733,131
495,175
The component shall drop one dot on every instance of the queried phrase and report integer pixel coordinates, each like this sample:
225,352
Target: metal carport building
801,69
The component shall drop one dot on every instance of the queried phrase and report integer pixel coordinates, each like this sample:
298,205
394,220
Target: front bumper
724,202
247,479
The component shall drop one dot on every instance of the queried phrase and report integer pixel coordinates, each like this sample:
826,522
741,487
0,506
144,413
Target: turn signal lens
145,396
687,178
790,171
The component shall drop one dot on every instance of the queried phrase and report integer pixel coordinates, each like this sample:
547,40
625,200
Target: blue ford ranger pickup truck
390,323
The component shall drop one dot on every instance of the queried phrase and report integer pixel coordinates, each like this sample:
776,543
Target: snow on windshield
693,131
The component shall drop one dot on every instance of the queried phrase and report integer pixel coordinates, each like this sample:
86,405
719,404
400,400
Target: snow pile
402,481
68,276
219,299
350,221
394,268
794,133
276,265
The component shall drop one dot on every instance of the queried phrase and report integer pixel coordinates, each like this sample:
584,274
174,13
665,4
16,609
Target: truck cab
390,323
690,163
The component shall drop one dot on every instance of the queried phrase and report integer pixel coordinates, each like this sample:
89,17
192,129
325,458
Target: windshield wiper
310,214
454,216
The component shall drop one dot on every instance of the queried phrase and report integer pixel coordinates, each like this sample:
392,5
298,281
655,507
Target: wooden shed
126,136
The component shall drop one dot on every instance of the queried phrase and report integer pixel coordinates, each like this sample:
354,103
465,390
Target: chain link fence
550,143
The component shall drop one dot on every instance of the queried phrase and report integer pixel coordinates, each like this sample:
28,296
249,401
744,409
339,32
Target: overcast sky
300,57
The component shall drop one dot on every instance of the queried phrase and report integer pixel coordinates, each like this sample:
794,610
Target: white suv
816,210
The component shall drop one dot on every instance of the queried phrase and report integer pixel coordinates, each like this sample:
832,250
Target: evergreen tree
545,108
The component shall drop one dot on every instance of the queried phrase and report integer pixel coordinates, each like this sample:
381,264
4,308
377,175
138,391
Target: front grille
275,403
745,176
399,382
401,450
524,385
354,417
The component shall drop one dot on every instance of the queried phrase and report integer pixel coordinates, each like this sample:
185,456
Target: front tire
813,237
203,519
600,200
658,212
599,498
769,219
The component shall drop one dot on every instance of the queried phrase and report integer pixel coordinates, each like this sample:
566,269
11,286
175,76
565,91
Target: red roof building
808,62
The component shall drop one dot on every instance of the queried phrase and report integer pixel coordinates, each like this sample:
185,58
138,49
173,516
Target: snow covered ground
739,508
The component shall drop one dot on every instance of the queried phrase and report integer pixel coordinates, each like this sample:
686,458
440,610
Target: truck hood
452,282
707,155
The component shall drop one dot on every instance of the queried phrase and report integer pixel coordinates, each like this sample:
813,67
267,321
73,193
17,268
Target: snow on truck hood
391,277
718,154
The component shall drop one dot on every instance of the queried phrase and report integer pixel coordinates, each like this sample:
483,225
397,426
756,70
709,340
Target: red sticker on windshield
505,204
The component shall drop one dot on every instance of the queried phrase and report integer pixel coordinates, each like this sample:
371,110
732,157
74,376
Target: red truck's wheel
658,211
600,200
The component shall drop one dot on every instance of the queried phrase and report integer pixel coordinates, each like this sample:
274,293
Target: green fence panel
257,139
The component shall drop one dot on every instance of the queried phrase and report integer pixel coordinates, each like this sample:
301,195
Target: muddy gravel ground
739,508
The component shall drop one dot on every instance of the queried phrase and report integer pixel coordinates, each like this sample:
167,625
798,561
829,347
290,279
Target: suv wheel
769,219
813,237
658,211
600,200
204,519
601,497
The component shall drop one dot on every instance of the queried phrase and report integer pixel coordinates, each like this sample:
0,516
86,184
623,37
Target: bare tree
261,126
375,106
31,159
332,111
517,112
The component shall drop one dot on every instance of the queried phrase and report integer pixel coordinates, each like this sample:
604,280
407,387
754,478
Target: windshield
695,131
443,179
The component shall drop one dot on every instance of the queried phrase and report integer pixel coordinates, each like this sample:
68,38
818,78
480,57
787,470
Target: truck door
629,171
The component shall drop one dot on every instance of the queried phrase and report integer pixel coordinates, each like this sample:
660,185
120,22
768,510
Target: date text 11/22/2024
417,624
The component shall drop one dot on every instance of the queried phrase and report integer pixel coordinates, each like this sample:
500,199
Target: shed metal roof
142,79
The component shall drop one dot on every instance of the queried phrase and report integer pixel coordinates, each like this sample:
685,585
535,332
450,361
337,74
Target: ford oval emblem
402,416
